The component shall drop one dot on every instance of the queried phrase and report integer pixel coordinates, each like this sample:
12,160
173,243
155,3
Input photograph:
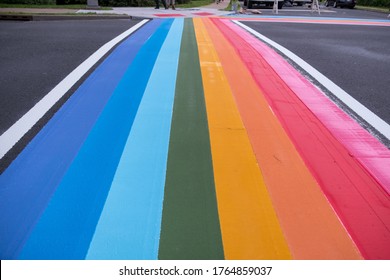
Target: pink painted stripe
370,153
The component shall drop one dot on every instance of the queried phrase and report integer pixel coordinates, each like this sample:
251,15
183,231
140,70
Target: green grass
75,7
375,9
42,6
196,3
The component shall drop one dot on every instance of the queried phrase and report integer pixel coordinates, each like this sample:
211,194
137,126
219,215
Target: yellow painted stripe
250,228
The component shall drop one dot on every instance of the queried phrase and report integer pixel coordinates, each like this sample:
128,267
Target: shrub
71,2
374,3
29,2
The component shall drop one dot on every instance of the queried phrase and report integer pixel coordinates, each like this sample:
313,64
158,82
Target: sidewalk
144,12
150,12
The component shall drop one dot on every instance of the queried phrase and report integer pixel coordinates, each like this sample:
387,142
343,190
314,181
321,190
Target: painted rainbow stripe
190,142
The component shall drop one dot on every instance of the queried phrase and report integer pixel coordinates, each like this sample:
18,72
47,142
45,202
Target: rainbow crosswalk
195,140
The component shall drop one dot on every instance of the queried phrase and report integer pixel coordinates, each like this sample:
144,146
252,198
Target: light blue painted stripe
129,227
66,228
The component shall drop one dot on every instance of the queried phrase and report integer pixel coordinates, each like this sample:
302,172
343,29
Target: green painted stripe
190,224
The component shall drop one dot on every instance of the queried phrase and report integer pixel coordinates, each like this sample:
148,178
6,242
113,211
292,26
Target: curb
16,17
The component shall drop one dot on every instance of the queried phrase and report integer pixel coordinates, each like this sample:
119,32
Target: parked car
302,2
341,3
267,3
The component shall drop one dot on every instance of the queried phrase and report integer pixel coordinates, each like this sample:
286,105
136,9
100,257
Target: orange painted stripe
311,227
249,225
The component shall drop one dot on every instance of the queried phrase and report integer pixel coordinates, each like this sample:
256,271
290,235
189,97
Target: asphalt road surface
36,55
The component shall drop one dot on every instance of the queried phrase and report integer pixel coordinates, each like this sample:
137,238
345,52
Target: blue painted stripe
129,227
30,181
67,226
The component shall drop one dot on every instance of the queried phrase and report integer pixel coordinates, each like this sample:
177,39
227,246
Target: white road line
10,137
380,125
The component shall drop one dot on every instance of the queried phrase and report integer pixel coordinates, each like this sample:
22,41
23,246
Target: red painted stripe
358,199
